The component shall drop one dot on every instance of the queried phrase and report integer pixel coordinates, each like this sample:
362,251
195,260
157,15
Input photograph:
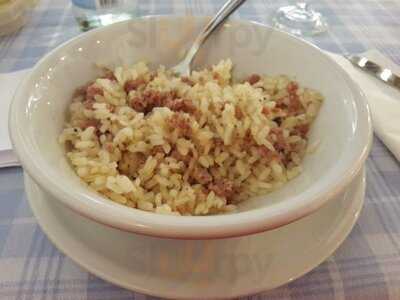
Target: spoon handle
228,8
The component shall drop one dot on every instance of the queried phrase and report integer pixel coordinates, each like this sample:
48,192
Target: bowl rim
182,227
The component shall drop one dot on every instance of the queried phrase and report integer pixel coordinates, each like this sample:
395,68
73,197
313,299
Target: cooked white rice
187,146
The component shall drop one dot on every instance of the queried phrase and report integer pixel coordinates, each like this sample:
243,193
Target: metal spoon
184,67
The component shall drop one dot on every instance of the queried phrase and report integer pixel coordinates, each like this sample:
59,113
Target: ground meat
187,80
156,99
301,130
267,153
218,142
248,139
151,99
178,121
263,151
214,171
286,160
108,74
138,104
265,111
133,84
238,113
223,188
146,102
92,91
88,104
292,87
109,146
130,163
282,104
179,157
171,94
80,92
280,144
253,79
201,175
90,123
276,130
247,144
156,149
181,105
218,78
295,106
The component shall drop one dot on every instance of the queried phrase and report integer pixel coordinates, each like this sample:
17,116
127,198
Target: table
366,266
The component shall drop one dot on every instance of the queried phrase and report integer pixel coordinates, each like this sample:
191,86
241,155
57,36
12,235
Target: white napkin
8,85
383,99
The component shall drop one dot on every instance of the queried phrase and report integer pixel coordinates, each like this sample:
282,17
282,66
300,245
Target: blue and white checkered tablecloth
366,266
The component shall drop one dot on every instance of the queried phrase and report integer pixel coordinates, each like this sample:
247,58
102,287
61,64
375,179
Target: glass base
300,20
89,22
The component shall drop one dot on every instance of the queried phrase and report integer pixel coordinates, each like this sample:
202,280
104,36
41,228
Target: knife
384,74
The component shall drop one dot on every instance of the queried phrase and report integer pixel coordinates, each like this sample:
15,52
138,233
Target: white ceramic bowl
343,126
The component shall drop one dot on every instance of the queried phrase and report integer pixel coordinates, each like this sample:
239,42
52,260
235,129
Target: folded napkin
8,85
383,99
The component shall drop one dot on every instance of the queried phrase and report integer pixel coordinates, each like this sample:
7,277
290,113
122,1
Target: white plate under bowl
189,269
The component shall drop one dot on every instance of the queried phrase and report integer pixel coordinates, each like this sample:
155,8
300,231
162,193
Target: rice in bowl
194,145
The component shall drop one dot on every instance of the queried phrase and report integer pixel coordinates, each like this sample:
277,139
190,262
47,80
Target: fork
183,68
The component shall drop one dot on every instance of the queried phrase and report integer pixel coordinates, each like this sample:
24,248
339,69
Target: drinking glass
300,19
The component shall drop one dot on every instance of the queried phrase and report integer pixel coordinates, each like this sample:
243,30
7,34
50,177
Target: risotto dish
197,145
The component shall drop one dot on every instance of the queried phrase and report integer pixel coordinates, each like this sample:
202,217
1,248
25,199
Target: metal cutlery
382,73
184,67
